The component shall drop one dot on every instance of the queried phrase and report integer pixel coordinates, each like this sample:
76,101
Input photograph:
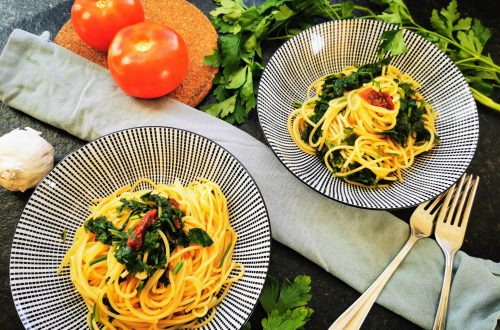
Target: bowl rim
390,26
24,320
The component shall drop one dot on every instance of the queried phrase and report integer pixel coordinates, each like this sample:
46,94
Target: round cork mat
188,21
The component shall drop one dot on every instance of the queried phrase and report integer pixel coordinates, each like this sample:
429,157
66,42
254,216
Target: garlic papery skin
25,158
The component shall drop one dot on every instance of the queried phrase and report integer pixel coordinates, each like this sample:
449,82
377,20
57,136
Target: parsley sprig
244,29
462,38
285,304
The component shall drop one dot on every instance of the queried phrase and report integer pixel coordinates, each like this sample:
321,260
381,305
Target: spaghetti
367,123
155,259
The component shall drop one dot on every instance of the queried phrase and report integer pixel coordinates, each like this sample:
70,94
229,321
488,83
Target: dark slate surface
330,296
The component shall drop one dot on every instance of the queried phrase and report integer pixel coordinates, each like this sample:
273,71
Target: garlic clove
25,158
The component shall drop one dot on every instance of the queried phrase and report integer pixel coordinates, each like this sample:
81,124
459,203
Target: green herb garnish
286,304
226,251
96,260
199,236
178,267
63,235
100,226
169,222
243,29
349,136
140,286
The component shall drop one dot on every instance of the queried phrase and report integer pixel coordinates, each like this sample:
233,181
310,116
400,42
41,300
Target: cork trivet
188,21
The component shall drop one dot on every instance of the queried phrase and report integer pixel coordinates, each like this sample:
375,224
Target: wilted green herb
63,235
169,221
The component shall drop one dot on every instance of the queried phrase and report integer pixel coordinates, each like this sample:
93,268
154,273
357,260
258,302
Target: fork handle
354,316
440,320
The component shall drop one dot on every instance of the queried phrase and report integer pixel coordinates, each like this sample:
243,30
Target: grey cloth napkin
60,88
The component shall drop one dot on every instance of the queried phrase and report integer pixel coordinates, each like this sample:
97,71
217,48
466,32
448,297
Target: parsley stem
332,12
495,67
471,66
286,37
97,316
178,267
140,286
483,99
419,28
452,41
221,262
96,260
469,59
297,104
126,221
90,317
365,9
171,225
63,236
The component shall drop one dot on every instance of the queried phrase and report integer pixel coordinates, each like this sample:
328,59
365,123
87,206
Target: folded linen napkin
58,87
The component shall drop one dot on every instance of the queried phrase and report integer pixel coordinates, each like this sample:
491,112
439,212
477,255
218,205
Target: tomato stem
101,4
143,46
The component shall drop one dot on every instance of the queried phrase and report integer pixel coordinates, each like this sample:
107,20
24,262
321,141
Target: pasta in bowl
367,123
115,239
370,134
155,258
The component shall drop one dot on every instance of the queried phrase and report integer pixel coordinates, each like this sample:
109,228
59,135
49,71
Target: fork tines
453,215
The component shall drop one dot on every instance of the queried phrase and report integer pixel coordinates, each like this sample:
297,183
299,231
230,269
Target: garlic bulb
25,158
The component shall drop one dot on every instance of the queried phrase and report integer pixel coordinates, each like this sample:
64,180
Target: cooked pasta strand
124,300
361,136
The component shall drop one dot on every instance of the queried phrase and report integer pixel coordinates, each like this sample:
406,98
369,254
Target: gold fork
450,231
421,225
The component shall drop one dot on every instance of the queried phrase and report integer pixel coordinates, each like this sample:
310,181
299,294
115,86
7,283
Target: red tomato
98,21
379,99
148,60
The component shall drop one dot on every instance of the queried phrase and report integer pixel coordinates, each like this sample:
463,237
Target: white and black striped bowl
45,300
329,47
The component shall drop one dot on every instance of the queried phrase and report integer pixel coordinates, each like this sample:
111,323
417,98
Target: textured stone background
330,296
